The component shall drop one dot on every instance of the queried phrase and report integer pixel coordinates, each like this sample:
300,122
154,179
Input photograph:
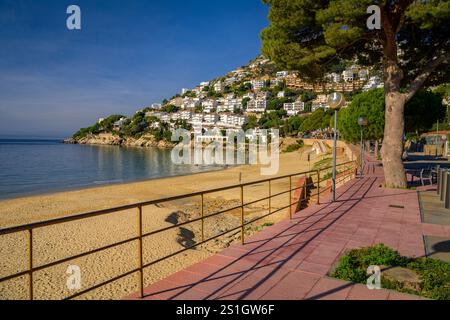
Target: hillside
255,96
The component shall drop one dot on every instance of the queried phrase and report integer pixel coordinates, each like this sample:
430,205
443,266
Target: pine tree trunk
392,151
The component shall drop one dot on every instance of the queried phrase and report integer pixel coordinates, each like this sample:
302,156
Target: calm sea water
29,167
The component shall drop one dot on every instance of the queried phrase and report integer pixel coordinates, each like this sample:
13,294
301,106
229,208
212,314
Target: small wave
108,181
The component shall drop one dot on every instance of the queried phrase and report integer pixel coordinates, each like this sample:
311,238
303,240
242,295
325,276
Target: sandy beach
68,239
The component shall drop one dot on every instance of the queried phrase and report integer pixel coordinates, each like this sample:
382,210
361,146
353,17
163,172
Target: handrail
30,227
71,218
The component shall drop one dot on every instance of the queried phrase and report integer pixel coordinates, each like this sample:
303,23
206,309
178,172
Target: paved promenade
291,260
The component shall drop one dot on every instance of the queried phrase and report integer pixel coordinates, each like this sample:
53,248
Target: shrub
434,274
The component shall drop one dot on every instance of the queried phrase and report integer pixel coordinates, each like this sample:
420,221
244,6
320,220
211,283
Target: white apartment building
204,84
275,82
231,120
258,84
210,118
249,95
348,75
282,74
335,77
229,105
156,106
363,74
190,103
320,102
281,94
175,116
185,115
219,86
257,106
165,117
196,119
230,81
294,108
374,82
209,104
255,134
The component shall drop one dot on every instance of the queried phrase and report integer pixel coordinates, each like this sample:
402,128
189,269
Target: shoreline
56,242
29,209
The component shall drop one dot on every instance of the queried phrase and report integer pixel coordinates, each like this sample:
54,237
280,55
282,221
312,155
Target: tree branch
400,12
423,76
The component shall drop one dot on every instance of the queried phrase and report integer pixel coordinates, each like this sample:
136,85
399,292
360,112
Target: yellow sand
68,239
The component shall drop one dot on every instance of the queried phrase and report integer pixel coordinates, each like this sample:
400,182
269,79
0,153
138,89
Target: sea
33,167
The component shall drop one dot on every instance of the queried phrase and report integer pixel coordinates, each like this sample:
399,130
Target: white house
190,103
219,86
119,124
230,81
282,74
348,75
374,82
258,84
156,106
281,94
363,74
321,101
335,77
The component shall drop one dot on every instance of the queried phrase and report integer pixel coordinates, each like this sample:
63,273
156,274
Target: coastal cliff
115,140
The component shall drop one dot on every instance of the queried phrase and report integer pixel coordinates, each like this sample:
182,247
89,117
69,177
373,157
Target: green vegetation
421,113
105,125
294,147
319,119
434,274
369,105
314,37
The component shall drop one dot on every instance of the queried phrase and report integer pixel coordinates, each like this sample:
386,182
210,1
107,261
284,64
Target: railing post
318,186
141,256
270,196
203,215
290,197
305,189
30,263
242,214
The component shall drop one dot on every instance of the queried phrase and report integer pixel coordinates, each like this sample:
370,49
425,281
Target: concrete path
291,260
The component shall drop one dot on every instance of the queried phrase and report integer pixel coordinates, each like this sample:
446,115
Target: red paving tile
291,259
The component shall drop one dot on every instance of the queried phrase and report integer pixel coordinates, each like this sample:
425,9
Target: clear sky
128,54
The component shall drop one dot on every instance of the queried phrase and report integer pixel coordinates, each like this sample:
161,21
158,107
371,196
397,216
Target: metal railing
345,172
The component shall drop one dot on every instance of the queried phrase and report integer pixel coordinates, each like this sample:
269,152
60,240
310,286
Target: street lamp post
444,149
335,101
362,121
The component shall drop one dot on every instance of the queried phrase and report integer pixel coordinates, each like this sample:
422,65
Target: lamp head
336,100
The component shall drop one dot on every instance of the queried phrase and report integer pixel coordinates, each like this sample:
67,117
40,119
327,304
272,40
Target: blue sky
127,55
